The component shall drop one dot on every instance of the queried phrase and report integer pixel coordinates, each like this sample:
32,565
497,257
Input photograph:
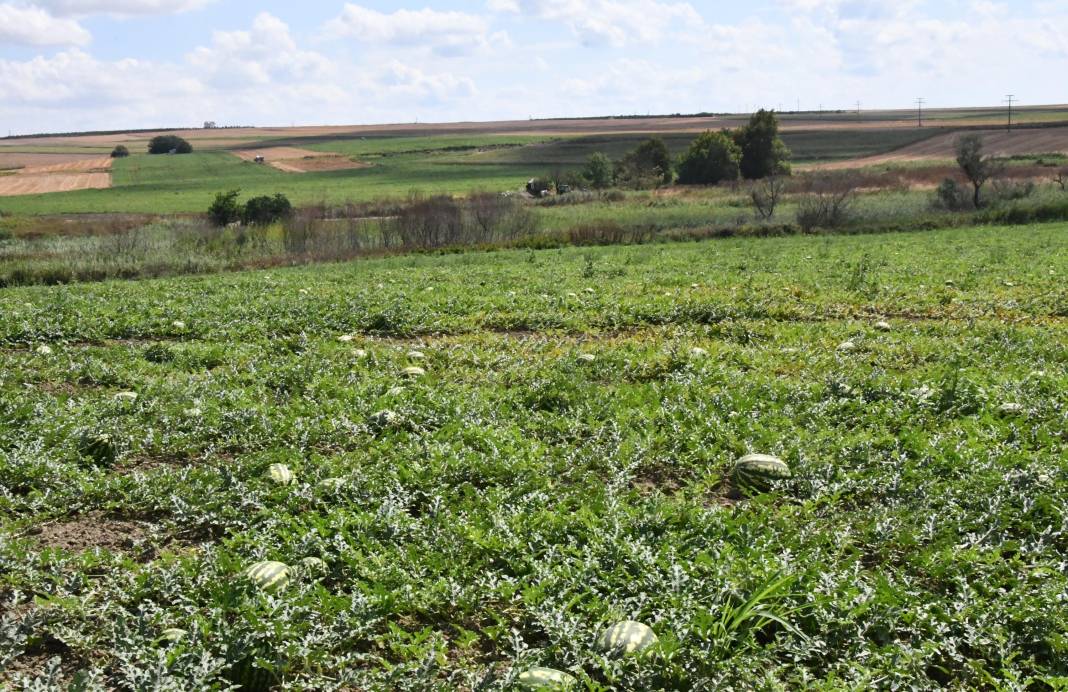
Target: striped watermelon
312,566
173,635
248,676
269,576
539,678
626,638
414,371
281,474
756,472
99,447
384,419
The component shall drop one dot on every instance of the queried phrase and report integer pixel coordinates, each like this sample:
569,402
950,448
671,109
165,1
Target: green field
522,498
453,164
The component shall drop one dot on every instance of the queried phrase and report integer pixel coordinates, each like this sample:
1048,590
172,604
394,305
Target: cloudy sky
70,65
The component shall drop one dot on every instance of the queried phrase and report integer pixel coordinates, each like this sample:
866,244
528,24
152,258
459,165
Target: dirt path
294,160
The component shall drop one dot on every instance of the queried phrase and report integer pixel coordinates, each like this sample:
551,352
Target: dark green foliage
951,196
266,210
225,210
648,165
712,158
97,448
763,151
166,144
598,171
120,152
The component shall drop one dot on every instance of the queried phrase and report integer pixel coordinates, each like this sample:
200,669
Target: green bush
165,144
763,152
598,171
120,152
266,210
711,159
225,210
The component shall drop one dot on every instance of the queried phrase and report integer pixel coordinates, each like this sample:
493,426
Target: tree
978,168
266,210
711,159
165,144
766,194
1061,179
225,210
648,165
120,152
763,152
598,171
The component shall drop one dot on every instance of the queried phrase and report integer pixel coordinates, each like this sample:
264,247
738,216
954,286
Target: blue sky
70,65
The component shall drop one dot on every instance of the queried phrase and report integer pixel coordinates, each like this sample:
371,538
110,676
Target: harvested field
80,174
294,160
998,143
18,160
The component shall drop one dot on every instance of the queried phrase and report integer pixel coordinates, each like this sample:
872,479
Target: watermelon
414,371
44,350
755,472
248,676
384,419
539,678
126,397
99,447
698,352
416,355
883,326
312,566
626,638
1011,409
587,358
269,576
281,474
332,485
847,346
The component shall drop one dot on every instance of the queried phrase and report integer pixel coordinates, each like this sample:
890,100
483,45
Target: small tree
828,202
120,152
598,171
165,144
763,152
266,210
975,165
225,210
711,159
1061,179
766,195
648,165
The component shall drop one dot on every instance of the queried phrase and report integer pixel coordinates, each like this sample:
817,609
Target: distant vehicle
259,159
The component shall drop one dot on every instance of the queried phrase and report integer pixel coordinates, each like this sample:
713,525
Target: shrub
649,165
598,171
827,202
765,196
120,152
1012,190
225,210
711,159
266,210
951,196
165,144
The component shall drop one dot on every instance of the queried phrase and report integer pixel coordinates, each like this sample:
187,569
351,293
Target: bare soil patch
92,531
294,160
62,176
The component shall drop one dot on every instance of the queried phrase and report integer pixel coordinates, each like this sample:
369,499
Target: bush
765,196
225,210
120,152
165,144
1012,190
649,165
266,210
827,203
951,196
711,159
441,221
598,171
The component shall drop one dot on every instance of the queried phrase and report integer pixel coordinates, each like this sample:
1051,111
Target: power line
1009,99
919,111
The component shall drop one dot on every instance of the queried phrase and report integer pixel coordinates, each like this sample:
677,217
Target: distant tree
977,167
598,171
648,165
120,152
763,152
766,194
225,210
1061,179
711,159
165,144
266,210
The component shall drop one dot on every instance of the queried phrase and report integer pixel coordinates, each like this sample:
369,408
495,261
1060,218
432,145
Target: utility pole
1009,99
858,111
919,111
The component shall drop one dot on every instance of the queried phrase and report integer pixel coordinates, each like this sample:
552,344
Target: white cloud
617,22
446,33
120,7
33,26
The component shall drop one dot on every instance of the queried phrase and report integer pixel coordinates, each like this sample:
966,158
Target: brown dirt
294,160
62,176
90,532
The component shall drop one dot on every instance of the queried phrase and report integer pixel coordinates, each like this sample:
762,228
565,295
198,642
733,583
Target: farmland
563,464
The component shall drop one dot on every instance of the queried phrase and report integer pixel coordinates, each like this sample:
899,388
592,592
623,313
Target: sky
75,65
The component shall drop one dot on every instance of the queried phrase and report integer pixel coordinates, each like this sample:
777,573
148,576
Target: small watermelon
384,419
414,371
416,355
1011,409
99,447
539,678
312,566
269,576
128,397
755,472
44,350
587,358
281,474
626,638
883,326
331,485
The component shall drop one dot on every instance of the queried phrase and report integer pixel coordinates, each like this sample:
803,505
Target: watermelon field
472,467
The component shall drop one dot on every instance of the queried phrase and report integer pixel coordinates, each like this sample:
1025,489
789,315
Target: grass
522,500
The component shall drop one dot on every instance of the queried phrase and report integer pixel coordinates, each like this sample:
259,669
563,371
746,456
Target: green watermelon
99,447
539,678
627,637
312,567
414,371
756,472
248,676
384,419
173,635
281,474
269,576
